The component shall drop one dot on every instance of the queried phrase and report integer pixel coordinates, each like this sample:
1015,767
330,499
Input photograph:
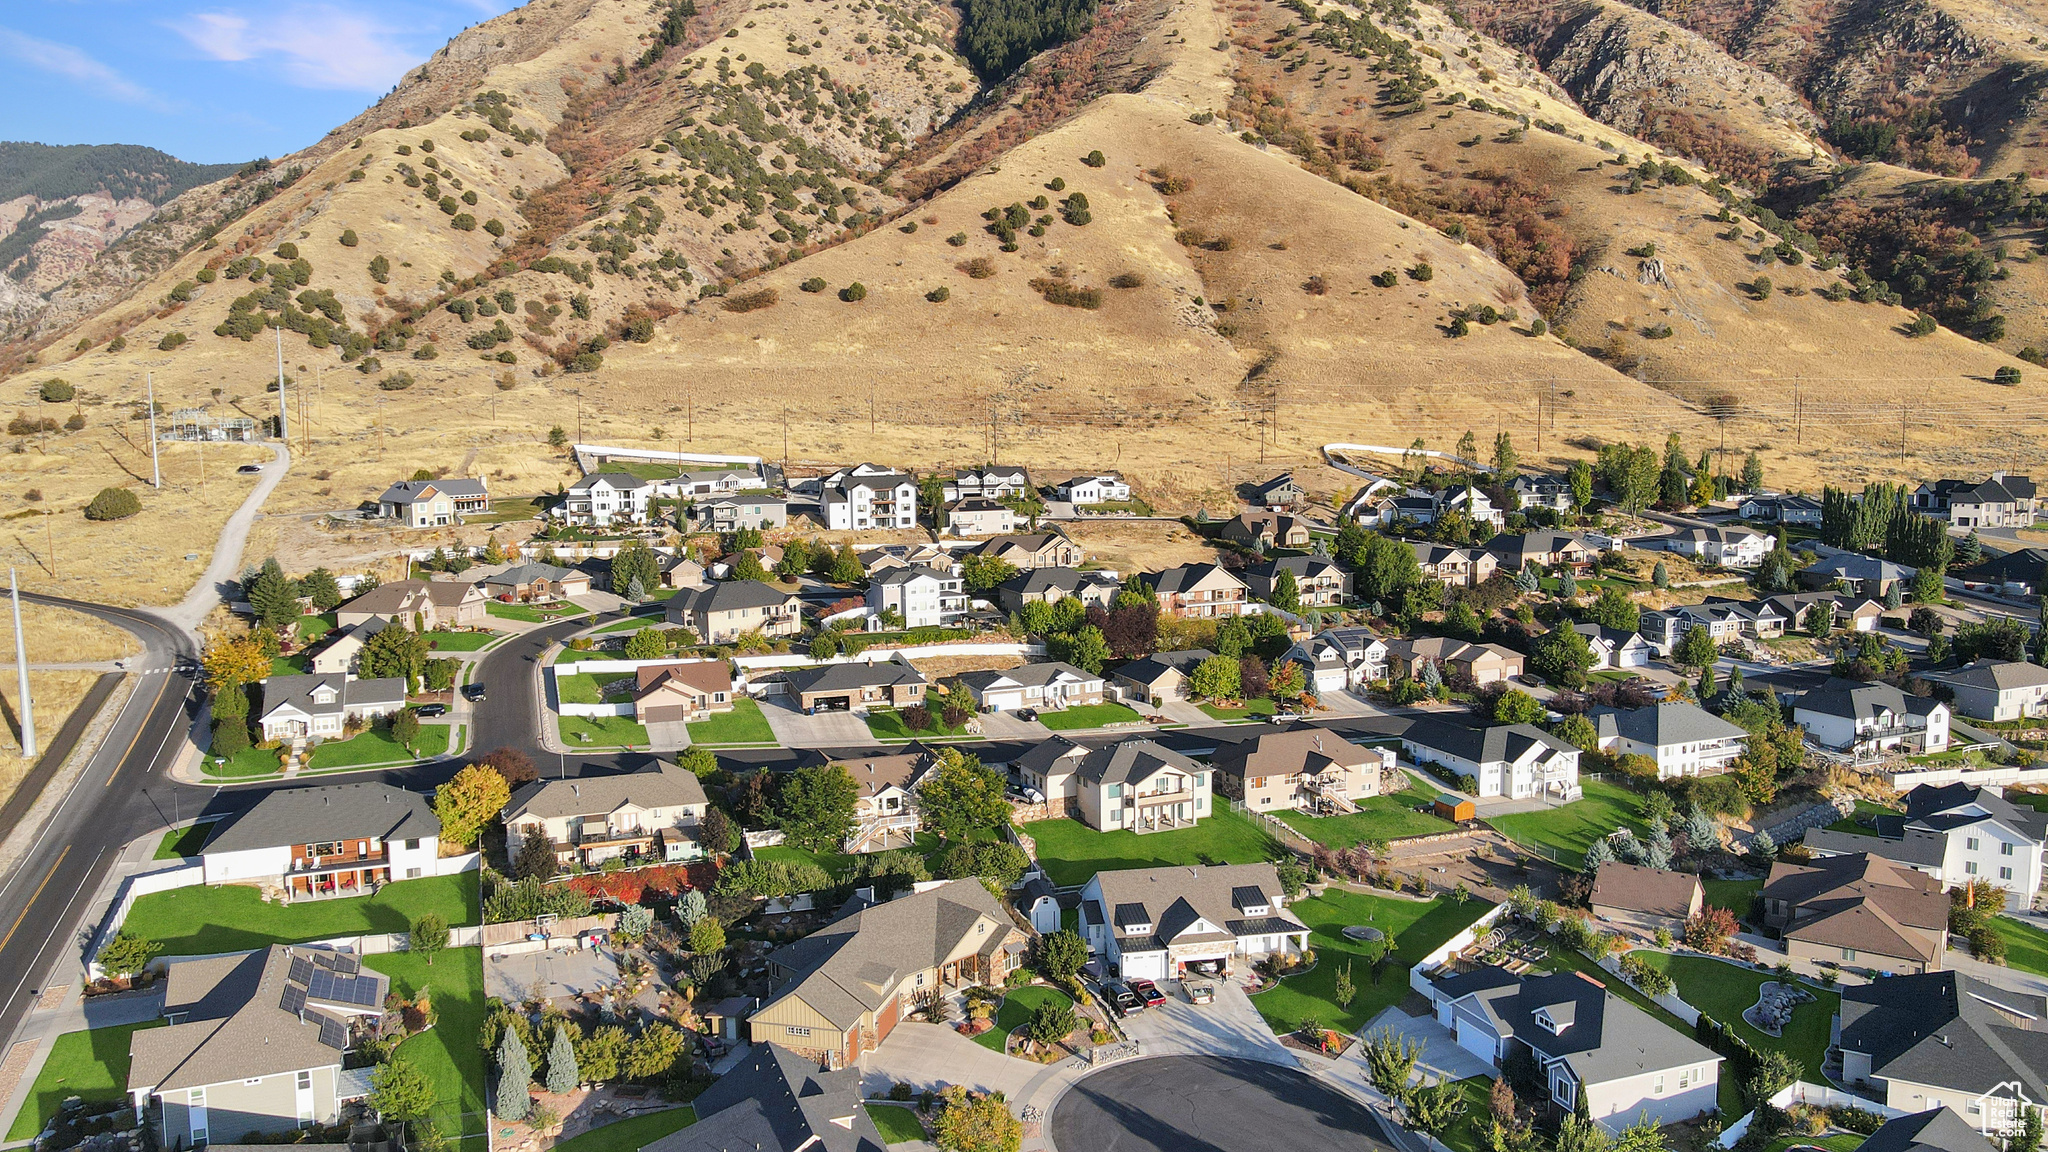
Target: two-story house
867,496
434,503
1164,923
1049,686
980,516
1100,488
1683,739
924,597
726,611
1857,910
1455,567
1302,769
1133,785
1540,491
1867,720
1281,492
1728,547
602,499
885,814
1726,621
1341,658
1470,501
1957,833
1517,761
2001,500
1997,690
318,706
779,1100
652,814
857,687
1052,585
1616,648
990,482
1033,550
1266,530
425,604
1197,591
1318,581
1949,1041
734,511
337,840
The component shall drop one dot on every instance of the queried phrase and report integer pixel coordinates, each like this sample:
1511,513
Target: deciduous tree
960,798
468,801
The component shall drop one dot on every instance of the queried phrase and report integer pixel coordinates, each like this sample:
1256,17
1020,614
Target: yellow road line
34,897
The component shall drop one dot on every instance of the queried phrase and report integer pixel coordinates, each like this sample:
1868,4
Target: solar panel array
338,961
336,988
332,1033
301,971
293,1000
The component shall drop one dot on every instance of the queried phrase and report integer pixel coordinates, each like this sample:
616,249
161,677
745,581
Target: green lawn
375,746
897,1123
2026,947
888,724
1016,1011
1724,990
602,731
1087,716
1864,810
1463,1134
92,1064
630,1134
586,687
312,628
448,1051
1571,829
1728,1093
289,665
838,864
181,843
1263,706
461,641
629,624
247,763
528,613
1734,895
1071,852
1838,1142
743,725
200,921
1417,927
1377,818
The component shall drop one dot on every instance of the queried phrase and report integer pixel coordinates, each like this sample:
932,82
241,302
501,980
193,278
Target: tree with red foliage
1711,930
1251,677
515,766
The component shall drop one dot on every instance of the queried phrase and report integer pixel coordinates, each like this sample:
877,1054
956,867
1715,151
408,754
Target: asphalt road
1210,1104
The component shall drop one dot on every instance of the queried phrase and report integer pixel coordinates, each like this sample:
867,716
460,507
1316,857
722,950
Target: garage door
663,714
831,704
1475,1039
886,1019
1145,966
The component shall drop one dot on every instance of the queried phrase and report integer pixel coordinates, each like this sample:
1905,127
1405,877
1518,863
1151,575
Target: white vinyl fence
1806,1092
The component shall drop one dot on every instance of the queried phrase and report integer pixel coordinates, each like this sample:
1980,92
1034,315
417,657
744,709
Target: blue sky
210,80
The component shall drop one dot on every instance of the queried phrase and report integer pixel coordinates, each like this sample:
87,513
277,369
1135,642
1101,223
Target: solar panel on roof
321,986
293,1000
347,964
358,990
301,970
333,1034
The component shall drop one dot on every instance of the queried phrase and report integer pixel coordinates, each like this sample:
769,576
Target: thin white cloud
64,60
316,45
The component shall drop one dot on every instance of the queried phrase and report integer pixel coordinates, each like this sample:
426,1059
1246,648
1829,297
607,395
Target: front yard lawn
586,687
1249,710
602,731
461,641
375,746
889,724
1088,716
630,1134
1723,990
1071,852
1416,927
200,921
1570,829
247,763
530,614
2026,947
743,725
1016,1011
897,1123
183,843
92,1065
448,1051
1377,818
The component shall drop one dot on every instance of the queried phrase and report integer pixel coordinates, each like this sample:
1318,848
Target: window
412,873
2004,848
920,979
412,845
1116,791
1970,842
1657,1087
327,849
1970,866
253,1080
1848,953
196,1098
793,1030
305,1079
2005,873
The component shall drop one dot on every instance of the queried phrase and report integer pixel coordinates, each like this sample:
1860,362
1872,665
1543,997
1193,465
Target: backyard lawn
1416,926
1377,818
602,731
448,1051
630,1134
312,628
897,1124
461,641
586,687
1088,716
1071,852
200,921
838,864
1864,811
181,843
888,724
1251,709
1570,829
92,1064
293,665
1016,1011
375,746
743,725
1723,990
2026,947
1734,895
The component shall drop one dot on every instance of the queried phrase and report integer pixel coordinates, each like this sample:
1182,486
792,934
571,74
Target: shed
1457,809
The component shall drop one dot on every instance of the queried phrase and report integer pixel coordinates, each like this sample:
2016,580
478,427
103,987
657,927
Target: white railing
1451,947
1806,1092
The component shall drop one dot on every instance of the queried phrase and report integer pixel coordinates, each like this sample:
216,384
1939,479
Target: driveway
1229,1027
1441,1057
933,1056
668,735
1213,1104
1346,704
598,602
1006,726
793,729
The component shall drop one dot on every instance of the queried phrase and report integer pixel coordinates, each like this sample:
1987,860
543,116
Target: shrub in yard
171,340
56,391
1094,159
348,238
939,295
814,284
113,504
1422,273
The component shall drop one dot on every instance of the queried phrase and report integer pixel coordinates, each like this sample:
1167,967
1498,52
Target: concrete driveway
1441,1057
1007,726
793,729
598,602
1230,1027
668,735
933,1056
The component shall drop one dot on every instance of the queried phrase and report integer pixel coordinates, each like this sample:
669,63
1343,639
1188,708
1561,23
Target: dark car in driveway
473,692
250,469
1122,999
432,710
1148,992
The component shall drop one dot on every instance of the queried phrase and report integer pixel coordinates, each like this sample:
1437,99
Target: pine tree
1752,472
561,1063
1660,576
515,1072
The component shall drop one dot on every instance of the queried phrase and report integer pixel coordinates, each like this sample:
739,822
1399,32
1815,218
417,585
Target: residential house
1469,500
1958,834
840,991
1862,575
1615,648
1539,491
1281,492
1946,1040
318,706
534,581
1726,622
1727,547
253,1045
1858,910
875,561
989,483
1852,613
1052,585
1162,923
1101,488
652,813
1318,581
1546,550
425,604
1595,1052
1518,761
2022,571
1769,508
979,516
1302,769
713,483
1647,899
736,511
681,691
885,812
726,611
433,503
857,687
1049,686
1135,785
602,499
1865,720
1340,658
341,650
777,1100
1481,663
2001,500
1997,690
867,496
338,840
1265,531
1455,567
1161,676
680,571
1683,739
1419,507
1935,1130
924,597
1195,591
1034,550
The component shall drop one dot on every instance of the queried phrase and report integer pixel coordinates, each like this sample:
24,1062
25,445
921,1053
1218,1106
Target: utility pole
50,534
785,441
28,715
1902,432
156,472
871,412
1798,413
283,436
690,416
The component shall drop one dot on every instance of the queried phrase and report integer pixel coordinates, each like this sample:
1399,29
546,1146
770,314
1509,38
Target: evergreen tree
515,1071
561,1063
1752,472
1707,687
1579,477
322,589
1286,592
1504,458
1527,580
1660,576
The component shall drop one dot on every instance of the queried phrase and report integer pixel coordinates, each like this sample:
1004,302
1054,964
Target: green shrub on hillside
113,504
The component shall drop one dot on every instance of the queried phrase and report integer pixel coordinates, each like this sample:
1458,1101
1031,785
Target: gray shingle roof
1498,742
288,816
620,480
778,1101
1948,1030
1186,576
730,596
261,1015
658,785
299,691
1151,668
1663,725
852,965
1935,1130
1634,888
854,675
1132,762
411,491
1169,899
1998,676
1864,701
1606,1038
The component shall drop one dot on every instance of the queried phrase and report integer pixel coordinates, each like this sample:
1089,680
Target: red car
1148,992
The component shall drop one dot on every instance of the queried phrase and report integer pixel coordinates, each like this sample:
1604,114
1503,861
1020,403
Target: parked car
714,1047
1122,999
249,469
1027,713
1200,991
473,692
1149,992
432,709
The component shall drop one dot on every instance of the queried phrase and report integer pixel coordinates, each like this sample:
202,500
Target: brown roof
1863,902
1655,891
256,1014
876,773
703,676
403,596
1285,753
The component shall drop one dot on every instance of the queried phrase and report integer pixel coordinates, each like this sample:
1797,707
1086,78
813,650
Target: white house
1997,690
1341,658
1684,739
601,499
1614,648
1865,720
1103,488
1133,785
1956,833
1518,761
1538,491
339,840
433,503
867,496
1050,685
926,597
993,482
319,705
1728,547
1159,923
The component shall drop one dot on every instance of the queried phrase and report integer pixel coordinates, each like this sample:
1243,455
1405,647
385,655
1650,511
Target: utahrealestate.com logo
1997,1110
